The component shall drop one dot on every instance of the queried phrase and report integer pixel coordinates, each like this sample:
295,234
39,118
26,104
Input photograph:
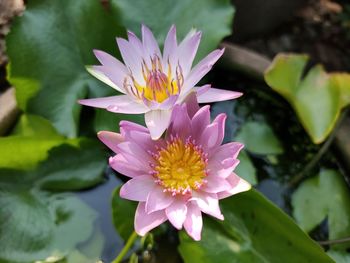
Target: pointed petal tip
83,102
221,217
96,51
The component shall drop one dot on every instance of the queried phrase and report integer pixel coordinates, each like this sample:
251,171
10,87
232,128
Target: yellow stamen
159,86
181,167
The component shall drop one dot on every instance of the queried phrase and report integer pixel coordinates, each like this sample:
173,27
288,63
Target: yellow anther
181,167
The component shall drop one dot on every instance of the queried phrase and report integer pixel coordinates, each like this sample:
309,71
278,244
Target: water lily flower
179,176
153,82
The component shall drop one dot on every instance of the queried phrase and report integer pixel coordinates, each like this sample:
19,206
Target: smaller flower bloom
153,82
177,177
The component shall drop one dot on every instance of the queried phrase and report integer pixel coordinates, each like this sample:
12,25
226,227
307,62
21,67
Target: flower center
180,166
159,86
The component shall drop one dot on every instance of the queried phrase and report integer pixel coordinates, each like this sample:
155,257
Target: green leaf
71,168
33,138
339,256
67,168
48,47
316,98
34,125
72,164
246,169
25,225
259,138
108,121
185,14
35,227
324,196
254,230
123,212
342,80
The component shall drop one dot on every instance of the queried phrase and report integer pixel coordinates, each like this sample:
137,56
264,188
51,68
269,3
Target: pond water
99,198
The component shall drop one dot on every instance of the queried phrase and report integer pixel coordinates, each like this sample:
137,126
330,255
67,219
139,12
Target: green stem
335,241
324,148
126,248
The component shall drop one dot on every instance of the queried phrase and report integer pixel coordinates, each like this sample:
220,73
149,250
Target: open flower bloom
177,177
153,82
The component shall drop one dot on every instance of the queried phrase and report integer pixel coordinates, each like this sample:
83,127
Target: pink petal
105,102
110,61
110,139
202,89
118,104
135,42
222,168
213,95
202,68
114,75
133,149
138,188
176,213
157,121
132,126
122,166
200,121
170,46
215,185
215,164
158,200
146,222
228,150
187,51
192,104
208,203
180,123
116,83
128,107
131,59
193,223
142,139
169,102
149,42
238,185
136,161
213,134
165,105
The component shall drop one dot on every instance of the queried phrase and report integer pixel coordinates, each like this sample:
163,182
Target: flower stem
335,241
324,148
126,248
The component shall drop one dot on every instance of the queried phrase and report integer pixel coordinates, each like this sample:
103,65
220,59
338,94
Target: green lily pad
70,168
48,47
339,256
317,98
324,196
72,163
254,230
343,82
32,138
259,138
246,168
123,212
34,227
185,14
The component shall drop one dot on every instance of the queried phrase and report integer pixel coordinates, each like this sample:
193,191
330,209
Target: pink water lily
177,177
153,82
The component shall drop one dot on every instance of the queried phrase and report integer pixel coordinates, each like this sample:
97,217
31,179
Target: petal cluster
153,82
180,176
